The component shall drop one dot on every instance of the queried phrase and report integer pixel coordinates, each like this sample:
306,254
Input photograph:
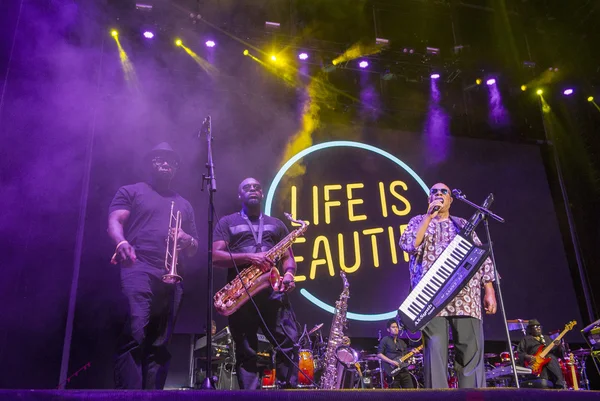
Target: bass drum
306,363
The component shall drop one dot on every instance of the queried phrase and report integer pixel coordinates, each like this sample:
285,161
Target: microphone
457,193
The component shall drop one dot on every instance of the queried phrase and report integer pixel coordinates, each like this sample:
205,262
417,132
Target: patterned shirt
438,236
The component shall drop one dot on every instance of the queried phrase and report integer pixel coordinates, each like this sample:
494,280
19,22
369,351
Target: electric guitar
539,358
572,368
393,370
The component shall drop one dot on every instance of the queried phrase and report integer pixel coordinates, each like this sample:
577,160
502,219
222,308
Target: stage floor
491,394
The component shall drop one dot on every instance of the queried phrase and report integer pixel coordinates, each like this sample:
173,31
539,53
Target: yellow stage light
273,58
114,32
246,52
539,92
523,88
590,99
478,81
178,42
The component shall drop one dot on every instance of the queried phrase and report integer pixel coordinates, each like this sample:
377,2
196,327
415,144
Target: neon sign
353,204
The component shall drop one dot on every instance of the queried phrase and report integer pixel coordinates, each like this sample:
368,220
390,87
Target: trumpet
172,252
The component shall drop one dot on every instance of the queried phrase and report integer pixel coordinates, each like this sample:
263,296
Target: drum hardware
317,327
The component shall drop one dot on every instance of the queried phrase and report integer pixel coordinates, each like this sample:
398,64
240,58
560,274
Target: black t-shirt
391,349
235,230
147,227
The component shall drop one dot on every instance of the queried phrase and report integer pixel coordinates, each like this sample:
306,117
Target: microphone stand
211,184
484,214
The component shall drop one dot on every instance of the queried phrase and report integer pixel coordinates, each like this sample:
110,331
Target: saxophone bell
172,253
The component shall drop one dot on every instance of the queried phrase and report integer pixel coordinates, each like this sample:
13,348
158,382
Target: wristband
121,243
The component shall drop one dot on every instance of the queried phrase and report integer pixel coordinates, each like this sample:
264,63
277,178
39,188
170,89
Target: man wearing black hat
139,222
529,346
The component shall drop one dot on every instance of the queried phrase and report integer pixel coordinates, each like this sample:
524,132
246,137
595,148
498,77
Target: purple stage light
210,43
490,82
568,92
363,64
434,76
148,35
303,56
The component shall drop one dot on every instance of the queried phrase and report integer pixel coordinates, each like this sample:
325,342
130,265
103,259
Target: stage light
539,92
363,64
273,58
114,33
210,43
478,81
523,88
490,82
590,99
148,35
246,52
568,92
178,42
434,76
303,56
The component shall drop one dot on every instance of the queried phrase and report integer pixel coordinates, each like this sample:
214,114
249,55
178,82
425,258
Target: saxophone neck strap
257,235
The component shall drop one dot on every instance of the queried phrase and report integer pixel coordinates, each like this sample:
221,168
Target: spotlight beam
210,69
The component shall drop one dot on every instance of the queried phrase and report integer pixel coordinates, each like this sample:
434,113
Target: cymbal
490,355
581,352
317,327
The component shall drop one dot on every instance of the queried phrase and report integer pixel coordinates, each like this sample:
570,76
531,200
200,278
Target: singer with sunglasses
242,239
424,239
139,225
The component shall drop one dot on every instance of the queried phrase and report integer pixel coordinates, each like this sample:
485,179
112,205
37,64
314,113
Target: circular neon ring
339,144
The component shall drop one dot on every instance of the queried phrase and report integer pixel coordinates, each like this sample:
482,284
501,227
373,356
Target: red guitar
539,359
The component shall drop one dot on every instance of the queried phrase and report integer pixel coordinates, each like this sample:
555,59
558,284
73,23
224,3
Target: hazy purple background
63,95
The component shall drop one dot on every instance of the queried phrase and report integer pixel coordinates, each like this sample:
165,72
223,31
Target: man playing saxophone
248,235
138,224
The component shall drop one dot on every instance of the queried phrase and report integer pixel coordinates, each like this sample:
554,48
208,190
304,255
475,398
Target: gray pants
467,333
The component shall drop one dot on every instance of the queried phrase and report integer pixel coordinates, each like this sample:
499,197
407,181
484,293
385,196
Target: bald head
250,192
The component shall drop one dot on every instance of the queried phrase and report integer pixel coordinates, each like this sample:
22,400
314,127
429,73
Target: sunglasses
160,160
248,187
434,191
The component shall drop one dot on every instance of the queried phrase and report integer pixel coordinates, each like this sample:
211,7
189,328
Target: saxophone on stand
253,279
333,374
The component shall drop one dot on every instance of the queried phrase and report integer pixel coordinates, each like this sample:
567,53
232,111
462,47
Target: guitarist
531,343
390,348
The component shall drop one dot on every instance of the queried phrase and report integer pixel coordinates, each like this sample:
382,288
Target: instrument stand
501,303
484,214
211,184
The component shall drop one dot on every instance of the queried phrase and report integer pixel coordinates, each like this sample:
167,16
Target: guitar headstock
571,359
570,325
419,348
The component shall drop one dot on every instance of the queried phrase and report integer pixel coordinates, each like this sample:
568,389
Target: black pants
467,333
553,372
142,359
281,322
402,380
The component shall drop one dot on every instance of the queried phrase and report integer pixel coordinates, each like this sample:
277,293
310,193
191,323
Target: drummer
390,348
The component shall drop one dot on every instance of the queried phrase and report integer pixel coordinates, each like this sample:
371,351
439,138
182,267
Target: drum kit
363,368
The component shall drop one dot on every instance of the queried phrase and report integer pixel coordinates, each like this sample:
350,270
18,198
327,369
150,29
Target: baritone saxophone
253,279
172,253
